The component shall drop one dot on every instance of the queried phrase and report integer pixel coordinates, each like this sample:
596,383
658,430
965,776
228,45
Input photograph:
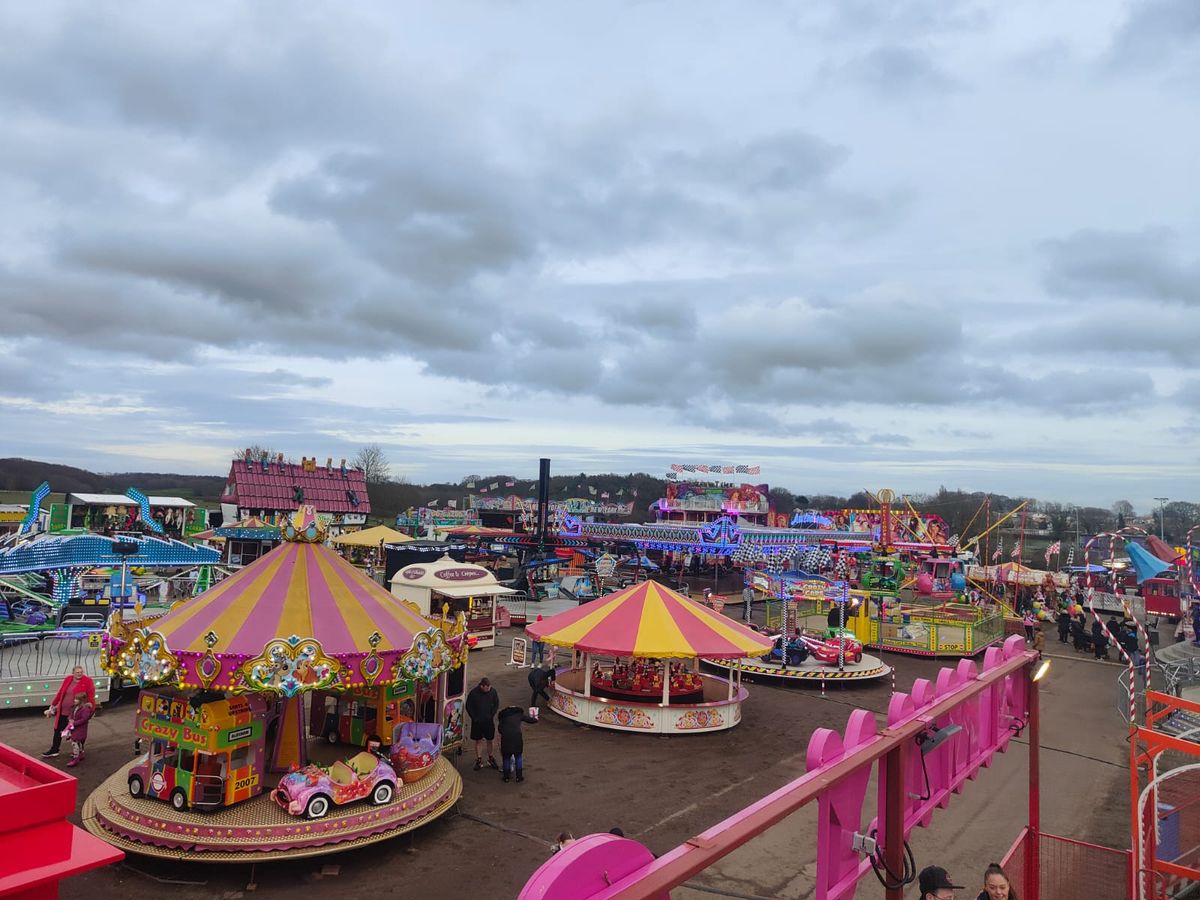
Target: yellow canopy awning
372,537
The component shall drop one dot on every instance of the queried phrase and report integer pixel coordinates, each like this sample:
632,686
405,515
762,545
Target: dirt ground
661,791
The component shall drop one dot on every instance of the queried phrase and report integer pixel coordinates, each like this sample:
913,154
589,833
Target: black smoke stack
543,507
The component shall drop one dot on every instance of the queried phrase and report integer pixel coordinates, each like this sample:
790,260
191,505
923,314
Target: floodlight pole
1161,517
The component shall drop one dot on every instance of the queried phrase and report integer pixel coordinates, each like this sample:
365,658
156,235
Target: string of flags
716,469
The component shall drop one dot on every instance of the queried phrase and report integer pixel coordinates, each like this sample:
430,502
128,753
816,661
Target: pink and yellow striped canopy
649,620
298,590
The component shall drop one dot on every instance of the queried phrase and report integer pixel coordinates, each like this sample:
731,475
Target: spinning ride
224,675
635,665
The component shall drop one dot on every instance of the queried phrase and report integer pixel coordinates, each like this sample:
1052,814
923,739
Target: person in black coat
512,744
1064,625
1099,640
482,703
539,679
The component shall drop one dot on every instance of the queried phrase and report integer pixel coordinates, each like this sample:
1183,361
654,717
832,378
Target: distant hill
26,474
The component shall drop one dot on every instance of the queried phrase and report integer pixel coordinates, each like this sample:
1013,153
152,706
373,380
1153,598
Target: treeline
389,497
26,474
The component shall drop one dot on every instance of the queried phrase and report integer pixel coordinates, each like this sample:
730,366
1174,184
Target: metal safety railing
47,654
1068,869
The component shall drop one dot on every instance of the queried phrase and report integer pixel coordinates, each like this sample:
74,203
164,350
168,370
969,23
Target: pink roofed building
270,489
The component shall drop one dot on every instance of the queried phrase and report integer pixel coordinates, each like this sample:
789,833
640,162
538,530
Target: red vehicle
829,650
1162,597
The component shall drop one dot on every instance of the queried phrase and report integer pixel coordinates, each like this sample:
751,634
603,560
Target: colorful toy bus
349,717
205,751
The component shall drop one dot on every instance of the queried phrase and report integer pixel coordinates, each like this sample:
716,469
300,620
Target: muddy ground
661,791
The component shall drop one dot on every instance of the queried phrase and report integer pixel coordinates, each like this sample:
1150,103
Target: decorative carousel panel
287,667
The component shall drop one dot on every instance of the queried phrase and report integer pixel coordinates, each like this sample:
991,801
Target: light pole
1161,515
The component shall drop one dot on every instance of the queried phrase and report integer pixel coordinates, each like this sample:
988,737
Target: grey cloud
897,72
1129,265
1155,33
854,19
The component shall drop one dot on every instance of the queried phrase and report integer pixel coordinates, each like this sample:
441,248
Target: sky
859,243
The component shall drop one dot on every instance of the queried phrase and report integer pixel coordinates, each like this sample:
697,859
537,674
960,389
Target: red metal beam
698,853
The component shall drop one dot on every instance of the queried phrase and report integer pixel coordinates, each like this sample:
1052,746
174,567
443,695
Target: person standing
747,600
482,705
539,679
1099,640
77,726
60,707
1029,621
539,650
512,744
996,884
935,884
1064,625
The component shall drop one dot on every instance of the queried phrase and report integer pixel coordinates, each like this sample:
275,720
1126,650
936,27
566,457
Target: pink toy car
311,791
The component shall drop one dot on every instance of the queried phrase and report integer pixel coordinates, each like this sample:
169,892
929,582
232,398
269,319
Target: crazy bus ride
205,752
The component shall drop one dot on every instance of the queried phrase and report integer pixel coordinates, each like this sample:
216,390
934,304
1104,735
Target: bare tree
256,452
374,464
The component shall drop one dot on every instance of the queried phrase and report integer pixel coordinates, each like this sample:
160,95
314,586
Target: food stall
463,587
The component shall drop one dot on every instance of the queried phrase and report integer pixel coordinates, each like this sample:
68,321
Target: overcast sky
858,243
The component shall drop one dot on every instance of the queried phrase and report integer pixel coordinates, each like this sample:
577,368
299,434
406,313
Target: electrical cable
893,882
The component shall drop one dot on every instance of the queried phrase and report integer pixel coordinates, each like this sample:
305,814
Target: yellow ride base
259,829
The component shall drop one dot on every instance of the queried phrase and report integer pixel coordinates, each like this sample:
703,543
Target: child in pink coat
77,726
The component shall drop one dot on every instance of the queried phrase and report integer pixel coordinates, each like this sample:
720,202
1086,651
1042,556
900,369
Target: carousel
220,716
636,662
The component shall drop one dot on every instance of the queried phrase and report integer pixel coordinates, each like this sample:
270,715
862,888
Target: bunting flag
999,549
717,469
842,569
1016,554
1071,556
1056,547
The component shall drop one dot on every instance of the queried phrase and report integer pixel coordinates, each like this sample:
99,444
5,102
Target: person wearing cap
935,884
539,650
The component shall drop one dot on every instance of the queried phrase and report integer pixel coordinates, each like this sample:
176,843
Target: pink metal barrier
936,739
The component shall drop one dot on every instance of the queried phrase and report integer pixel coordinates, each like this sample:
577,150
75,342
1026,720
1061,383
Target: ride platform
870,668
259,829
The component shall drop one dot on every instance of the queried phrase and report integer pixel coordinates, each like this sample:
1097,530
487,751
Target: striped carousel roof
649,620
296,589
